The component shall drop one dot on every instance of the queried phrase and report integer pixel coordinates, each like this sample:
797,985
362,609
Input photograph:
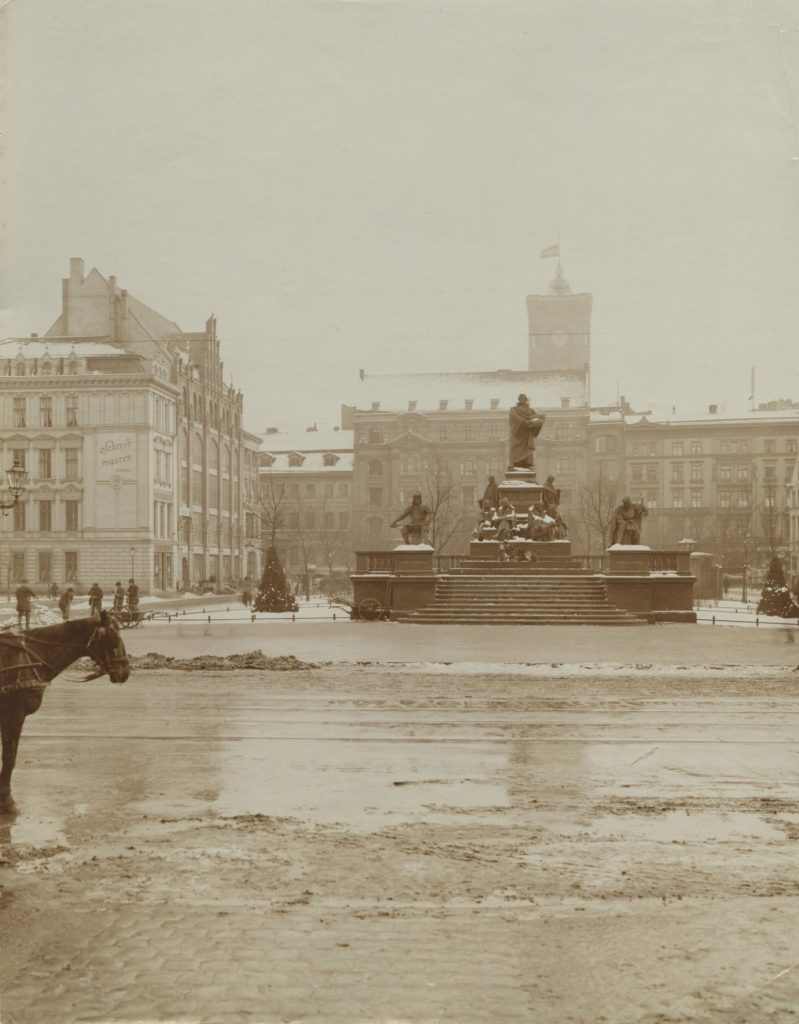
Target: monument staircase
550,592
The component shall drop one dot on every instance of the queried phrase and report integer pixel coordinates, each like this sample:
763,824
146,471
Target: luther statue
524,425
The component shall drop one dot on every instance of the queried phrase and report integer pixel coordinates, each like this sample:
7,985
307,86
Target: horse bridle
105,663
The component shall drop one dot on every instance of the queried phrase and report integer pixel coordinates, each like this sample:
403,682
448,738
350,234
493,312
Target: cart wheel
370,609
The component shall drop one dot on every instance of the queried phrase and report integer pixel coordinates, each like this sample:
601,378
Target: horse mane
75,629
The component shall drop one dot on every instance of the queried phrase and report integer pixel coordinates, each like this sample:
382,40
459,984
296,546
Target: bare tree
442,498
772,521
594,509
272,501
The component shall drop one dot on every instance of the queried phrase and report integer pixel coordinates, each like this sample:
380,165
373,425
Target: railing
670,561
374,561
445,563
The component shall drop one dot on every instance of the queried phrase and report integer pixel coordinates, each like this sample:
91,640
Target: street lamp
132,553
17,478
747,538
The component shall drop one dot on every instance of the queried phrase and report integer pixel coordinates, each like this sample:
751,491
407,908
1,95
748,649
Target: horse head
106,648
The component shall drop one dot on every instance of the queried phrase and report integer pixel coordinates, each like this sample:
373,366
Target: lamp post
17,478
132,553
746,568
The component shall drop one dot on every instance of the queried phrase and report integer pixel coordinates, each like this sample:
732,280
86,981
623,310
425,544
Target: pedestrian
53,591
246,591
64,603
24,598
119,597
133,597
95,600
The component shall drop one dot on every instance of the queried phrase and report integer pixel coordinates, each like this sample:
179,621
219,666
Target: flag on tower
551,252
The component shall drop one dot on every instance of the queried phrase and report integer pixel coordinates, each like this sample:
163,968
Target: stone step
420,619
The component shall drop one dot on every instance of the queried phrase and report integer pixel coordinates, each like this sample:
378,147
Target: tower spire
559,284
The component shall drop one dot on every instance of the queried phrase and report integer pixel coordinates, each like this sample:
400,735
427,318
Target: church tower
559,326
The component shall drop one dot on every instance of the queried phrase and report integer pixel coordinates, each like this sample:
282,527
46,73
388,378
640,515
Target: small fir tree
273,591
775,598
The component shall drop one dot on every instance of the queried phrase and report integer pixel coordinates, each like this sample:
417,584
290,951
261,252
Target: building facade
103,410
306,503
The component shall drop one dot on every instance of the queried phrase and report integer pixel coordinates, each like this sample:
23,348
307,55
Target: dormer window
296,459
468,403
47,368
72,365
20,368
411,405
267,459
494,403
329,459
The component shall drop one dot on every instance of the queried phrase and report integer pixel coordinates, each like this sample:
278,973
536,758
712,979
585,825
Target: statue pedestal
629,559
413,558
521,489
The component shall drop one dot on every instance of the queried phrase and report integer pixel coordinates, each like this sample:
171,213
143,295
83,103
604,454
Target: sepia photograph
399,512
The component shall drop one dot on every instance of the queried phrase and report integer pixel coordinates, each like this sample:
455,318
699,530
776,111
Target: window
468,467
637,472
676,472
651,471
676,448
677,500
20,455
375,436
72,410
724,500
310,490
636,449
19,412
45,464
724,447
725,474
71,516
293,490
742,476
696,447
343,490
328,490
564,464
18,566
45,516
45,566
651,448
696,470
375,495
374,467
696,499
468,496
70,566
742,499
329,521
294,520
71,464
651,500
770,471
329,459
743,447
771,447
296,459
46,412
343,520
309,519
19,517
790,446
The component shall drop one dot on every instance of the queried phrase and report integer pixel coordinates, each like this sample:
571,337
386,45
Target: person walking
53,591
119,597
133,597
25,597
64,603
95,600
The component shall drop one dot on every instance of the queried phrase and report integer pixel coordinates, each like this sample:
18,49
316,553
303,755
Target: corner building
138,461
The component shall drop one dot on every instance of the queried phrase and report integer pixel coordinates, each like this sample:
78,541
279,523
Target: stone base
521,489
489,549
413,558
629,559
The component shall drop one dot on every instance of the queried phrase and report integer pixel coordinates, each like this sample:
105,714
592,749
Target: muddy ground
372,844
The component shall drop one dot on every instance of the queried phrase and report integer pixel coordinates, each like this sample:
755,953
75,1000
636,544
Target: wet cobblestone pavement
365,844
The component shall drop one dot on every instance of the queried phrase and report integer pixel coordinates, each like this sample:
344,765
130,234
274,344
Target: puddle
29,830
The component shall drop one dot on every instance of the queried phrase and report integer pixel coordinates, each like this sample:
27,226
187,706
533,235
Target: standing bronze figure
524,425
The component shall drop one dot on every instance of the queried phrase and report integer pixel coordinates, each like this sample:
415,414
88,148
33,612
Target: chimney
713,409
375,407
76,270
443,404
468,403
361,374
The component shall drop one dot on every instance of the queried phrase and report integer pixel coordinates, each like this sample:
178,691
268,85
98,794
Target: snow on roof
313,462
726,413
546,390
308,441
58,348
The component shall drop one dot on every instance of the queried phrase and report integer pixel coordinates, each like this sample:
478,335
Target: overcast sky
369,185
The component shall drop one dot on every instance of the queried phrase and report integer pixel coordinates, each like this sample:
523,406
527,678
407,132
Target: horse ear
104,617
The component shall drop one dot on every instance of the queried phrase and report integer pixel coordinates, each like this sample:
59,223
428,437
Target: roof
313,463
546,390
58,348
308,441
725,414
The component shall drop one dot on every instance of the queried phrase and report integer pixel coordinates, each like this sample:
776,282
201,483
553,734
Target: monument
520,486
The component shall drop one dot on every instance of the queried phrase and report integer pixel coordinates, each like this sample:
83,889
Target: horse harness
28,667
